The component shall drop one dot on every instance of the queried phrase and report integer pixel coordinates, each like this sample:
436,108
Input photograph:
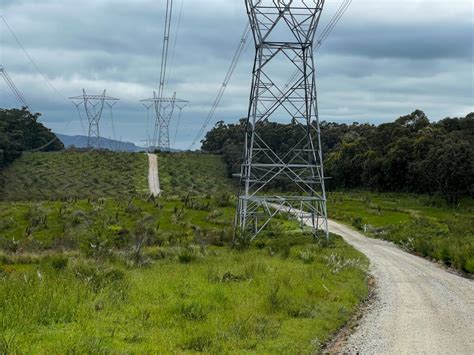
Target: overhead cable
228,76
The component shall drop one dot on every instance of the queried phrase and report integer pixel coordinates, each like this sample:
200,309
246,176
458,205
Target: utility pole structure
283,32
164,110
93,106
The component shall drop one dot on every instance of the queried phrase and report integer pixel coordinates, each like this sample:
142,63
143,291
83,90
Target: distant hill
110,144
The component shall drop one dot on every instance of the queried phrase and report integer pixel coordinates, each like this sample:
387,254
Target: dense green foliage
408,155
111,270
420,224
21,131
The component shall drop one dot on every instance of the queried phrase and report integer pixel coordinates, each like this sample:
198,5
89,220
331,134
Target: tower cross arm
165,99
94,97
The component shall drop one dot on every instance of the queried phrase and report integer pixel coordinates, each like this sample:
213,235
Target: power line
228,76
111,106
332,23
31,59
45,78
180,108
324,35
164,63
178,26
13,88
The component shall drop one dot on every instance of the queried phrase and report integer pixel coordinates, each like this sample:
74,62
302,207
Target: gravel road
419,307
153,179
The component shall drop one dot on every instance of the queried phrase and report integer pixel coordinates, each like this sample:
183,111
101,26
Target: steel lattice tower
93,106
283,32
164,110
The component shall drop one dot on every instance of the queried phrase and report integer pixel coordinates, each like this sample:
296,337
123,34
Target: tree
407,155
20,131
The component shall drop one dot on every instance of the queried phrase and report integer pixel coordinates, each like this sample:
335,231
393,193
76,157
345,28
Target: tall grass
420,224
224,301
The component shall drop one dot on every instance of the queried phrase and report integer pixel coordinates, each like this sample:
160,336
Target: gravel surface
419,307
153,179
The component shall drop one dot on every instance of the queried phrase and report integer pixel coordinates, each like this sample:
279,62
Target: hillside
79,174
73,175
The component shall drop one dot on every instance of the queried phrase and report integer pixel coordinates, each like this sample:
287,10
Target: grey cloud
415,41
375,66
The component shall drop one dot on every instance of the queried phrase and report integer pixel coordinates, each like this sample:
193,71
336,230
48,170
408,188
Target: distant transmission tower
283,32
93,106
164,110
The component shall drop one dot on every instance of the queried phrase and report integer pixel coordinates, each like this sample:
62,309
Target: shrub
469,265
307,256
186,255
193,310
275,298
198,343
358,223
9,245
98,276
8,344
59,262
222,199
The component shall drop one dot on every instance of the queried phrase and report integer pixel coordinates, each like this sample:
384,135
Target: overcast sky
384,59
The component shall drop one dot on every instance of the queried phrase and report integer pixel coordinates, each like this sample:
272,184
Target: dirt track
153,179
419,307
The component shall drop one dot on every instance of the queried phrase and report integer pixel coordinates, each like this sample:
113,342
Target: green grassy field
420,224
73,175
122,273
92,174
193,173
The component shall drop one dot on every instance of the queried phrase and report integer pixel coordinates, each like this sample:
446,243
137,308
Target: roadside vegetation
423,225
409,155
416,178
126,273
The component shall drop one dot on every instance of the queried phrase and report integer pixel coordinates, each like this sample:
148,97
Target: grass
271,303
201,174
79,175
74,175
420,224
110,270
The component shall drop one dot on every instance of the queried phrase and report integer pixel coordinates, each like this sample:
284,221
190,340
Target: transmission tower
94,107
164,110
283,32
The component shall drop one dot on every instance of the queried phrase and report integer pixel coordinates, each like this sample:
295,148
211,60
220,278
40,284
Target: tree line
20,131
410,154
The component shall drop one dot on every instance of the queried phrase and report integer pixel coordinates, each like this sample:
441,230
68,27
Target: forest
410,154
20,131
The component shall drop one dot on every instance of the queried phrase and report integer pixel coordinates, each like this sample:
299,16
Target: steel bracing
283,32
93,107
164,110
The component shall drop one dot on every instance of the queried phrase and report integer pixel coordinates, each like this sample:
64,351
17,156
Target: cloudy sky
384,59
